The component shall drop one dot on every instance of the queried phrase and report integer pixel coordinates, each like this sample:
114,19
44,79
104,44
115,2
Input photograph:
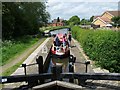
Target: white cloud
83,9
83,0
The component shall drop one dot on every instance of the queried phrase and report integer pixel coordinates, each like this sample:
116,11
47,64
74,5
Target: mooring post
56,70
24,65
39,61
86,63
71,58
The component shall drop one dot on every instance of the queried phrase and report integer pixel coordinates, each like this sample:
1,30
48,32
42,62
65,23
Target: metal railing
56,74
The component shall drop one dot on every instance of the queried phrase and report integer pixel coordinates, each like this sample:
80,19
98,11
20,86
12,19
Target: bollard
24,65
71,69
86,63
56,70
71,58
39,61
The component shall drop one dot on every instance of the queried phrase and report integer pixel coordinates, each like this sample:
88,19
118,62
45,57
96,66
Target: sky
82,8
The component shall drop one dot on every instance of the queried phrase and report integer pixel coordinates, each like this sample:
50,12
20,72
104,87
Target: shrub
102,46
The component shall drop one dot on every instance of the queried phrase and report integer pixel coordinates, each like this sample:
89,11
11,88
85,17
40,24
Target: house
105,19
55,22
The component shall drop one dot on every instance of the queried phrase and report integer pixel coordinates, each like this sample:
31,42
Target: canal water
63,31
57,61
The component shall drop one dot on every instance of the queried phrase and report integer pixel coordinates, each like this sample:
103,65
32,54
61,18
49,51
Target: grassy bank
11,48
102,46
28,51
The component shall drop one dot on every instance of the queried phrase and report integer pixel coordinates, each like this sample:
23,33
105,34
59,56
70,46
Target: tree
65,22
116,21
85,22
74,20
91,19
58,20
23,18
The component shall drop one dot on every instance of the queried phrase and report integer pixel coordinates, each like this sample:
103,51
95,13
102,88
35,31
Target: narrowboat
60,48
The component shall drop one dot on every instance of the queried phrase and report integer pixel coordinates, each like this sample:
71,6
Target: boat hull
67,54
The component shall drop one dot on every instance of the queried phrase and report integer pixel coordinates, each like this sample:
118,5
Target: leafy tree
116,21
66,22
23,18
58,20
85,22
74,20
91,19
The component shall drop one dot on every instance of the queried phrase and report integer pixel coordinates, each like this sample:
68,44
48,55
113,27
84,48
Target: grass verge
12,48
14,67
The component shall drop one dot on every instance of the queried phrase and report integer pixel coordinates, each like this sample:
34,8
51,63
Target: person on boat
54,37
64,43
54,44
57,43
69,38
66,36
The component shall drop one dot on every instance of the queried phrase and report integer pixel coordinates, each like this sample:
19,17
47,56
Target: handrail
81,76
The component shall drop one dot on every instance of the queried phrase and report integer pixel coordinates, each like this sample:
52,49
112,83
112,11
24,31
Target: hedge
102,46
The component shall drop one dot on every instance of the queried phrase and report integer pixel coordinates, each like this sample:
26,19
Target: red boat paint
60,51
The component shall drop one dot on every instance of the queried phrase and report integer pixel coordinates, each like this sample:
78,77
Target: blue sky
83,9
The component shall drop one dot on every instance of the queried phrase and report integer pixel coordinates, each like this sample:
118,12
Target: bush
102,46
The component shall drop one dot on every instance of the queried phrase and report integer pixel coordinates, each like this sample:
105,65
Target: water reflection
57,61
62,31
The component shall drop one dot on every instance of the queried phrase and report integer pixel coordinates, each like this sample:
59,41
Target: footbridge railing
56,74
